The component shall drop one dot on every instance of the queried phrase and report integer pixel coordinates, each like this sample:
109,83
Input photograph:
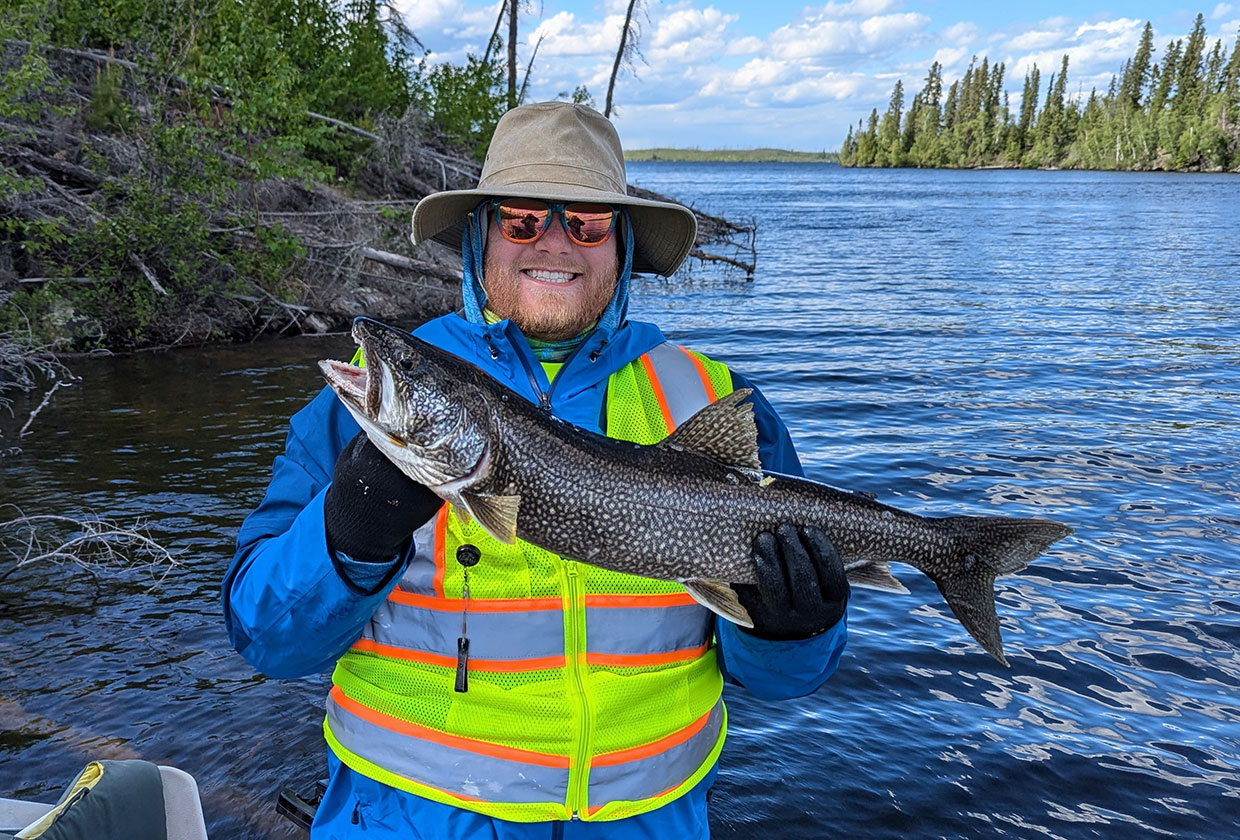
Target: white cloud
950,56
870,37
856,8
1122,27
1036,39
744,46
688,24
961,33
1222,10
451,17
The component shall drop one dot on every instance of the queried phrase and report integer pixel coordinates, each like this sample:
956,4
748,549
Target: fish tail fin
989,547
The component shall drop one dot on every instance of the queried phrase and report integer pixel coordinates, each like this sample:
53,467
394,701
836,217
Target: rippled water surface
1053,344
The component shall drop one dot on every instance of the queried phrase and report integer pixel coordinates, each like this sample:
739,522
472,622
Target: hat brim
663,233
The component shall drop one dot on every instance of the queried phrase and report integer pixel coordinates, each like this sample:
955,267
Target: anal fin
874,574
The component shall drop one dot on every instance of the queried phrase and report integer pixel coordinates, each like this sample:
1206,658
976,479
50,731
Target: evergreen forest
1181,112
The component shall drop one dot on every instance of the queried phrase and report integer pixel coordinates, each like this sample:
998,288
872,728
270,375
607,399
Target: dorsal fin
724,430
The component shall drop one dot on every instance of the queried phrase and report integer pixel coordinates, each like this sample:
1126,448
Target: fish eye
406,363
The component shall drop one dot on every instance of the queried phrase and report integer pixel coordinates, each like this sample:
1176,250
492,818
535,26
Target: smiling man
484,690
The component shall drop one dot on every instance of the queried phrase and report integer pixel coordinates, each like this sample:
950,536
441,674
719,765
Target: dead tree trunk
486,57
513,5
620,52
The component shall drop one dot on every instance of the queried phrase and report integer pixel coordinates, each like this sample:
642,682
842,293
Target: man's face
552,288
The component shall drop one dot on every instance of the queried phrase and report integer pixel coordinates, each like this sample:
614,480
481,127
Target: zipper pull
468,556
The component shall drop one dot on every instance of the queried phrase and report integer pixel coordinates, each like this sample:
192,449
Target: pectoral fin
496,514
718,597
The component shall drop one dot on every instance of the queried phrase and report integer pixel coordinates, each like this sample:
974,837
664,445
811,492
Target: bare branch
47,397
93,545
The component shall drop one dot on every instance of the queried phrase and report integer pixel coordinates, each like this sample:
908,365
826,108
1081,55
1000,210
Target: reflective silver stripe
647,776
538,634
527,634
420,574
680,380
440,764
643,630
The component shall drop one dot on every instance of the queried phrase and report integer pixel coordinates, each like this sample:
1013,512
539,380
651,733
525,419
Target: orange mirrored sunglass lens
588,223
524,220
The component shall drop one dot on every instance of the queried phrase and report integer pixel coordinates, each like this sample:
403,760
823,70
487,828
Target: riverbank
143,212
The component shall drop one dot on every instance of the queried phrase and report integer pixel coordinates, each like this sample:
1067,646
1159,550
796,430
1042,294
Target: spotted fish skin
687,509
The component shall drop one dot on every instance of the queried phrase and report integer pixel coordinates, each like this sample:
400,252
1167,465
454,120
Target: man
587,703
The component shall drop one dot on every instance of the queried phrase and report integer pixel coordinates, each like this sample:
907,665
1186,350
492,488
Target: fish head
411,407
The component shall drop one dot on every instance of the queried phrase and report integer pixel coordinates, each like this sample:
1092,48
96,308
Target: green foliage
212,97
108,108
580,96
1180,113
466,101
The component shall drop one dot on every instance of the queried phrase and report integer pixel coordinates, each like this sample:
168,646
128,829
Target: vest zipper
575,617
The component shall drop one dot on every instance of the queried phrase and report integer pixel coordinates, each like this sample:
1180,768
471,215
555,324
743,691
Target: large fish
686,509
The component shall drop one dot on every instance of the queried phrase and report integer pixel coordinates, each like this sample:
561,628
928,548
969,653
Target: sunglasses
525,220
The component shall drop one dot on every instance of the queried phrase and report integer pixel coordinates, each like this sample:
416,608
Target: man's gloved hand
802,588
371,507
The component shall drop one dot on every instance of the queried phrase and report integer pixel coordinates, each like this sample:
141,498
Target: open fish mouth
352,385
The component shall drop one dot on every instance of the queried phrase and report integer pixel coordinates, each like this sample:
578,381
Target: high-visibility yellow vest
592,694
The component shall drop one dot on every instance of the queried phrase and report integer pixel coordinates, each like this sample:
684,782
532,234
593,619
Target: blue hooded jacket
291,608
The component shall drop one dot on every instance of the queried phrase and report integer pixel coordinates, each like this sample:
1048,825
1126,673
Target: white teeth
551,276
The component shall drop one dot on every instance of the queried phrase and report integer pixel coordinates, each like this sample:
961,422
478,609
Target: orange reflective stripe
459,742
658,393
498,605
476,605
498,666
669,599
654,747
636,660
701,369
441,541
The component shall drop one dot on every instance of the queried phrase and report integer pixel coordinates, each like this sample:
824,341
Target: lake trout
686,509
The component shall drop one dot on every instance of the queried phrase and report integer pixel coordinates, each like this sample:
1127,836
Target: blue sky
745,73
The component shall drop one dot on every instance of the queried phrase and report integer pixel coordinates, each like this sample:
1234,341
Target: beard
547,313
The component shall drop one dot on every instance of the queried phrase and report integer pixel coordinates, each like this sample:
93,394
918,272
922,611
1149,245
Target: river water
1017,343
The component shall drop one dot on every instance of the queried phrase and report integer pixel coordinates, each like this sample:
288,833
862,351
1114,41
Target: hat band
551,175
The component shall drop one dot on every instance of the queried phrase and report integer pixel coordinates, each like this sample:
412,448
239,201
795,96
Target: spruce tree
1135,73
1187,97
1162,92
888,146
1028,109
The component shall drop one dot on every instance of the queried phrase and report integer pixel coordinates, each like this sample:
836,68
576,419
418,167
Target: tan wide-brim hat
558,151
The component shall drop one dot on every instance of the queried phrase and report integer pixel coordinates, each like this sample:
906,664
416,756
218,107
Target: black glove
802,589
371,507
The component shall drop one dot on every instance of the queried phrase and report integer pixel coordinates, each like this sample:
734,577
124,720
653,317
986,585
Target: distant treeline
1182,113
732,155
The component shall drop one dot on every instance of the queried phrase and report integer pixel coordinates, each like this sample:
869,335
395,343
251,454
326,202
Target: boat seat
113,800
